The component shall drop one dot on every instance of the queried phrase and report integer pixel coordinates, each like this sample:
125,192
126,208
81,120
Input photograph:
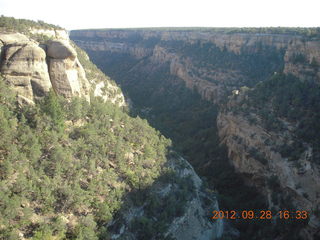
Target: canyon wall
274,52
223,68
32,68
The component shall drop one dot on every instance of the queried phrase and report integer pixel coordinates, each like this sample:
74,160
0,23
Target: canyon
40,65
227,69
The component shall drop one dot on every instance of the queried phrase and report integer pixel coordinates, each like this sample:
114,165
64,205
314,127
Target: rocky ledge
32,68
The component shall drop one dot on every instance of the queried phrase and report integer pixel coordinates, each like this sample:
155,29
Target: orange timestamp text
260,215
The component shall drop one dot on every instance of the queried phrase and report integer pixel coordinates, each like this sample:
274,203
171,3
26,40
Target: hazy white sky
77,14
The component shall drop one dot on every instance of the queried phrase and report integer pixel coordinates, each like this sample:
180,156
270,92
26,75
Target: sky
83,14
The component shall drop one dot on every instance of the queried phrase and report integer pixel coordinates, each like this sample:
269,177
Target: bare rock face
32,68
59,49
24,66
302,59
66,73
51,33
13,38
255,153
212,82
194,223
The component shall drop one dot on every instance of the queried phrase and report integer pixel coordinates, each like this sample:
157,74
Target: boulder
24,67
64,77
13,38
60,49
68,78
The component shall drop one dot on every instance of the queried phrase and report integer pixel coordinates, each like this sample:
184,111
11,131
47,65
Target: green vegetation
181,115
270,100
23,25
95,75
255,65
308,32
154,222
71,162
92,72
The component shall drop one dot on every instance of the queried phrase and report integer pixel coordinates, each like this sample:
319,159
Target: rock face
23,64
217,65
32,68
51,33
303,59
256,154
212,81
66,73
194,224
195,221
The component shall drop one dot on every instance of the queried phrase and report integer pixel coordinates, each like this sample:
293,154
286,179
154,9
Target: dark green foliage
191,122
258,156
59,158
298,58
159,211
256,65
307,32
292,151
314,64
181,115
273,182
292,99
23,25
86,229
52,106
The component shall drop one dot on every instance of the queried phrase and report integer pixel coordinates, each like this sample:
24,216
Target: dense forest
73,169
190,122
60,158
313,33
23,25
70,169
270,100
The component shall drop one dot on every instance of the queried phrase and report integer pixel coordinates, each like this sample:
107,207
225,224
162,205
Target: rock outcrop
213,82
255,153
50,33
32,68
302,59
23,64
194,223
66,73
217,64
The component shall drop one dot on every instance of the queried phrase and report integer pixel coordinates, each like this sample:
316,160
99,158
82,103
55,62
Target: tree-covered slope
83,168
65,166
240,104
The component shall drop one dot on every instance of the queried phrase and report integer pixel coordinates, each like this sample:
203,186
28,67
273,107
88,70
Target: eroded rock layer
225,69
32,68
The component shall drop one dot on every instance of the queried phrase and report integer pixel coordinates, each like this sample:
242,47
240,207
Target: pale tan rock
51,33
13,38
24,67
308,67
85,86
1,46
64,77
59,49
32,68
301,183
68,78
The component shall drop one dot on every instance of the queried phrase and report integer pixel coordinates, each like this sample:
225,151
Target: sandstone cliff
218,65
193,223
273,52
281,165
32,68
302,59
